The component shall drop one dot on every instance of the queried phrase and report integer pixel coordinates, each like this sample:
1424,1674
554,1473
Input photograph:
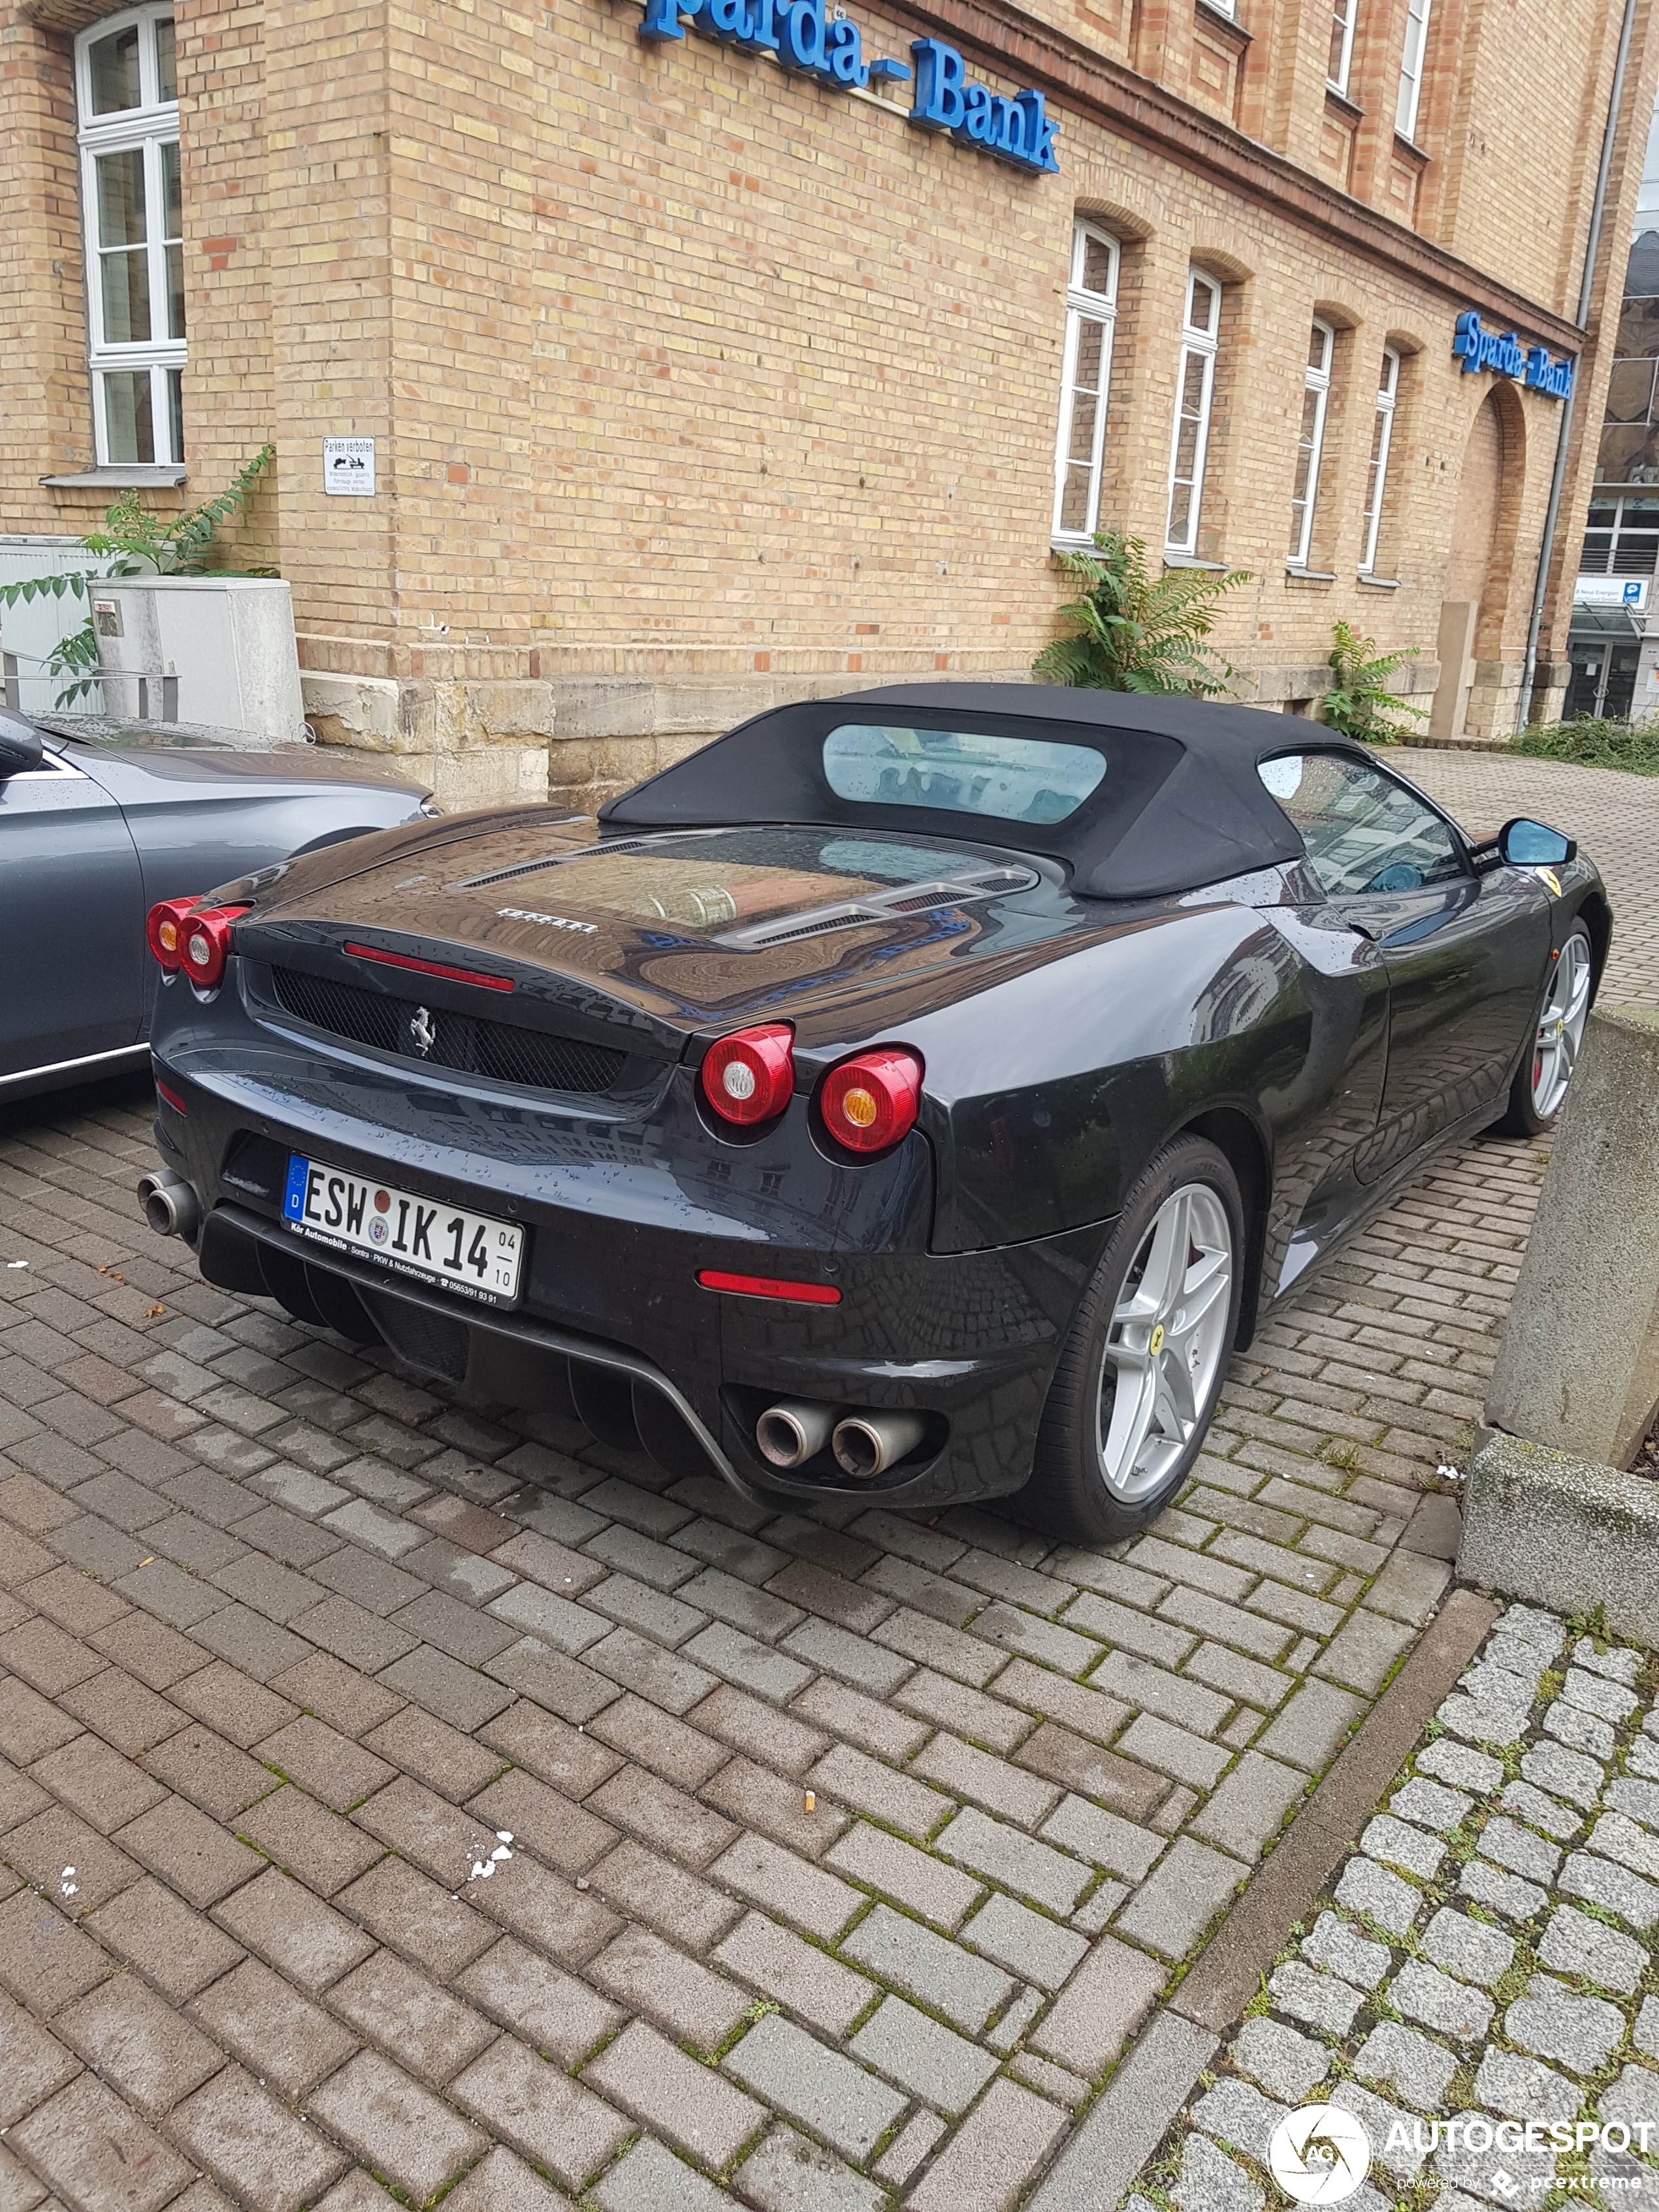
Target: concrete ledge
1564,1532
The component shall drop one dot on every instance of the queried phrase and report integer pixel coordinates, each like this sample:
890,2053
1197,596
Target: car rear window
1003,779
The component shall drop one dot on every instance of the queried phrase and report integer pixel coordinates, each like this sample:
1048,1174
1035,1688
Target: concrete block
1581,1372
1565,1532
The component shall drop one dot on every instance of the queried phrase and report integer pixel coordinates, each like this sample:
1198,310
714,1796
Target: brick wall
695,386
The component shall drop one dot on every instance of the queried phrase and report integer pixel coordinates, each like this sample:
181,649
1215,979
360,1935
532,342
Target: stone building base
574,725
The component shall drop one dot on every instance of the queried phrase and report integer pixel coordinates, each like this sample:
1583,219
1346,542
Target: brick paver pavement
397,1788
1477,1986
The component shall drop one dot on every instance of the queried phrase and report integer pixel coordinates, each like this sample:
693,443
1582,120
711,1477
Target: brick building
700,373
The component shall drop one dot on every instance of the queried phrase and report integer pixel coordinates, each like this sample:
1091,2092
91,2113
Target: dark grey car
95,827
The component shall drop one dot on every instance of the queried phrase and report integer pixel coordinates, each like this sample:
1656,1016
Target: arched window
1311,441
1194,390
127,92
1377,473
1091,314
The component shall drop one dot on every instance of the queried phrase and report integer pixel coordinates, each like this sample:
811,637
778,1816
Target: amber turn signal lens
748,1076
872,1101
162,929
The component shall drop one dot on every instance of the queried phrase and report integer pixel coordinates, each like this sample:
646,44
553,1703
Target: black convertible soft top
1180,804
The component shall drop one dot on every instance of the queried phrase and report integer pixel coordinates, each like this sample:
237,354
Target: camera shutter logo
1320,2155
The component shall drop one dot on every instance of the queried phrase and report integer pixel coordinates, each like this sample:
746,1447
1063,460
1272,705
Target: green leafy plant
1595,741
131,540
1135,632
1360,704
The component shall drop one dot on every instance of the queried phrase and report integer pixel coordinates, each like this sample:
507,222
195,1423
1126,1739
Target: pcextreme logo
1320,2154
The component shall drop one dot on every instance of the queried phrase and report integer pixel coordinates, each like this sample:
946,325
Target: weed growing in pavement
1595,741
1592,1623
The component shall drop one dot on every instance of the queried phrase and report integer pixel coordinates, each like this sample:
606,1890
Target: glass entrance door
1604,683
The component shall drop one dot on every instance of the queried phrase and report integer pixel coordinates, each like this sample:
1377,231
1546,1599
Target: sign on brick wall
804,36
349,467
1534,366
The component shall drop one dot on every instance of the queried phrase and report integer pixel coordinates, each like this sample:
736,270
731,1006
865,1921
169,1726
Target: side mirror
21,749
1526,844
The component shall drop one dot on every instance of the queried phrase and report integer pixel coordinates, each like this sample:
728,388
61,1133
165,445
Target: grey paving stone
896,1800
1286,2065
1418,2071
1331,1942
1100,2007
1566,1773
1640,1800
1395,2142
1319,2001
1540,1810
1157,1743
944,2068
966,1990
1177,1901
1507,2083
1422,1993
1579,1730
692,2105
1634,2099
1149,1690
789,2173
660,1676
1619,1664
912,1878
1552,2023
652,2180
1599,1882
1460,1764
1239,2116
1105,1839
556,1620
847,2106
1428,1805
1484,1884
1030,1945
1645,2033
1398,1844
854,1658
1475,2172
1592,1693
1616,1836
1249,1806
1368,1889
1210,2181
997,2149
1519,1850
1468,1949
1309,1731
804,1980
1018,1861
793,1889
1360,1654
1573,1943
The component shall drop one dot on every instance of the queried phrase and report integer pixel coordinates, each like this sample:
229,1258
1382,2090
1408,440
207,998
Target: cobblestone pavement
398,1787
1484,1959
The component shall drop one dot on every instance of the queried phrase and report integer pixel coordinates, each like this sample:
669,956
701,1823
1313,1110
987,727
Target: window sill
1412,150
1300,575
122,476
1219,16
1369,583
1345,106
1191,561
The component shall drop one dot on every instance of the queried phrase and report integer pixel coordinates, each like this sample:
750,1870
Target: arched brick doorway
1474,598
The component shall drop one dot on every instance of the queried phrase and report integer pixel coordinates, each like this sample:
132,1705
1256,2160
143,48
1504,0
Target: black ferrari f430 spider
921,1093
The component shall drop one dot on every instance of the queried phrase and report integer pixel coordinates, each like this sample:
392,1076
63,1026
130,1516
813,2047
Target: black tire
1068,1493
1521,1117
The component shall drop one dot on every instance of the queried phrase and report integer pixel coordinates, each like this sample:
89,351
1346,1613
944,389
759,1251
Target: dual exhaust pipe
865,1445
171,1206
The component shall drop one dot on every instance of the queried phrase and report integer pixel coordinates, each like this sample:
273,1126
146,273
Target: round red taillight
205,943
870,1102
748,1076
162,929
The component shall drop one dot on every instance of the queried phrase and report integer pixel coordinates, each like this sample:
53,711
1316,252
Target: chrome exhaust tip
867,1444
171,1206
794,1431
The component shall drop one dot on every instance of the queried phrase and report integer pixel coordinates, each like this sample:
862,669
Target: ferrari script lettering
547,921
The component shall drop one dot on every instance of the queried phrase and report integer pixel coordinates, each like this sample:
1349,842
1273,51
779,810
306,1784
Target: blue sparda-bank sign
1534,366
804,36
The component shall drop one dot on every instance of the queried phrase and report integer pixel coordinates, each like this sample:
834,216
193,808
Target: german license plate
471,1253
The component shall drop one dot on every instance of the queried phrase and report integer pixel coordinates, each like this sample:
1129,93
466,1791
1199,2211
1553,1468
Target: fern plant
132,538
1135,632
1360,704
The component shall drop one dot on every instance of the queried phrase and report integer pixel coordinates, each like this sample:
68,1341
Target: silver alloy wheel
1561,1028
1164,1348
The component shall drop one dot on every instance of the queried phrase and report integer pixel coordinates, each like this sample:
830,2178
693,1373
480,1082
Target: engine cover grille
470,1043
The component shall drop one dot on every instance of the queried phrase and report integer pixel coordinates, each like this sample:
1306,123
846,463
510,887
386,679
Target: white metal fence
29,633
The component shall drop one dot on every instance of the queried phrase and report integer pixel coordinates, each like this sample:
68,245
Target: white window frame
1409,99
1316,379
147,129
1200,340
1376,480
1344,16
1085,306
